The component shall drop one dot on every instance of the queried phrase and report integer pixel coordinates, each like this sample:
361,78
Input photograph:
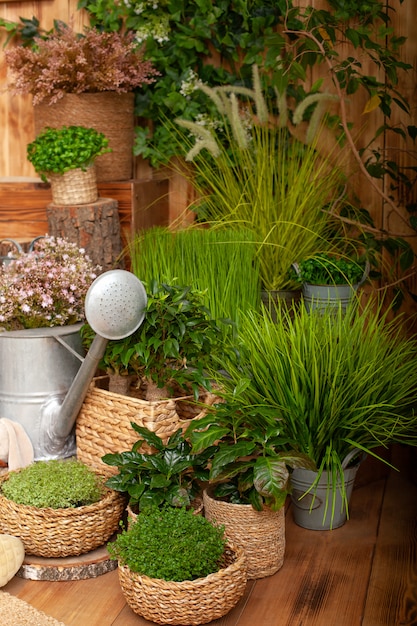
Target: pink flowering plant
64,61
45,287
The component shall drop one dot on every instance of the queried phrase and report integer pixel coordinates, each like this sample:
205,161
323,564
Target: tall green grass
219,262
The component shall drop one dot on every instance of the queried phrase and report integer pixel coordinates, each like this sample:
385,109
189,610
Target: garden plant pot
38,368
74,187
67,532
261,534
323,296
191,601
309,509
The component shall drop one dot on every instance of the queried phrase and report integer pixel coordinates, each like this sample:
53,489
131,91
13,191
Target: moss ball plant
170,544
56,484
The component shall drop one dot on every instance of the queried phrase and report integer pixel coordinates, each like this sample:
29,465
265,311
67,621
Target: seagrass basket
191,601
261,534
103,425
74,187
62,532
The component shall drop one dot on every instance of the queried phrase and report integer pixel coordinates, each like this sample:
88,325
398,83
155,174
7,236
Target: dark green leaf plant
170,474
325,269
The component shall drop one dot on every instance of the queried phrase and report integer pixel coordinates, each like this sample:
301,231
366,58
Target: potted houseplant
84,78
248,478
177,568
328,279
326,379
167,356
41,312
65,157
58,508
154,473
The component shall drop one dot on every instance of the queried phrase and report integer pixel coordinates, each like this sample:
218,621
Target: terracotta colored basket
188,602
103,425
74,187
62,532
261,534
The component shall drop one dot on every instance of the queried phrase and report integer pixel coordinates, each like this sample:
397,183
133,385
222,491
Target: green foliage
220,263
58,150
175,343
56,484
324,269
246,448
170,544
169,475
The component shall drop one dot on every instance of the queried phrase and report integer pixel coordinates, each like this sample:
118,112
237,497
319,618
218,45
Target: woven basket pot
56,533
74,187
261,534
107,112
190,601
103,425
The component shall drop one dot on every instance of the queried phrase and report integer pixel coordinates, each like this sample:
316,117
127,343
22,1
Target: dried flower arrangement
64,61
45,287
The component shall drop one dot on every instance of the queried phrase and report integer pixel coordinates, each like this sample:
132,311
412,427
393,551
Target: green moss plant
55,484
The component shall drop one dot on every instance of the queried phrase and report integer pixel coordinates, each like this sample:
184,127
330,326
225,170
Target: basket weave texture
191,601
74,187
261,534
62,532
103,424
107,112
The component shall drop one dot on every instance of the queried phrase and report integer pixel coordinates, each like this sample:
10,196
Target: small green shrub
55,484
325,269
170,544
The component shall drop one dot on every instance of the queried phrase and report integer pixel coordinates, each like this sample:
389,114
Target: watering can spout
114,308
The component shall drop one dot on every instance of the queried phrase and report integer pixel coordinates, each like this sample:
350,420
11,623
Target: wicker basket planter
261,534
62,532
188,602
103,425
74,187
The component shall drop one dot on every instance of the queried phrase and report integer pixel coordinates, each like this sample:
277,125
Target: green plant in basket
168,475
170,544
56,484
325,269
58,150
248,454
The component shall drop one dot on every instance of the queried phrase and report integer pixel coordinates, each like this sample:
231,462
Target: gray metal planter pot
36,367
323,296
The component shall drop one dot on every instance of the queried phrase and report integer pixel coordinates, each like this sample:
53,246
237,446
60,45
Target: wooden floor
364,573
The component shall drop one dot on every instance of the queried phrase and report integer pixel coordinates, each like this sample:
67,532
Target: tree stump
94,227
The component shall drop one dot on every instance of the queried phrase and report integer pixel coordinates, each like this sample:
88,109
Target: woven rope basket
188,602
74,187
107,112
261,534
103,425
62,532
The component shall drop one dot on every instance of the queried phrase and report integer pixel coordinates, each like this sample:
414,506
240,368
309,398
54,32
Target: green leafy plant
58,150
324,269
170,544
325,379
167,475
56,484
248,463
173,346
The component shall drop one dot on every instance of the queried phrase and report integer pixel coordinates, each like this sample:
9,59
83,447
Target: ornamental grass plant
332,382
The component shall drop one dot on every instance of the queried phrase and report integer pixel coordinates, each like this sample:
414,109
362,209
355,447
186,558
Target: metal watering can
114,307
5,260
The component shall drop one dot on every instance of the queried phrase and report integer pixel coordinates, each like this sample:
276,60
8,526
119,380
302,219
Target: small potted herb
174,566
61,154
330,280
58,508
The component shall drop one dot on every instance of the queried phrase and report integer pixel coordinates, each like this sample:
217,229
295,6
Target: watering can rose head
45,287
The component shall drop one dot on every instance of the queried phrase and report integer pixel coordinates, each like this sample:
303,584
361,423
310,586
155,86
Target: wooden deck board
363,574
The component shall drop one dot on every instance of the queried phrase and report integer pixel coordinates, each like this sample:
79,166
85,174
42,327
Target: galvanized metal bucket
37,365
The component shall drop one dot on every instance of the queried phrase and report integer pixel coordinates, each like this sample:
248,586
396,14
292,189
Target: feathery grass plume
321,99
282,106
260,103
239,131
204,139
